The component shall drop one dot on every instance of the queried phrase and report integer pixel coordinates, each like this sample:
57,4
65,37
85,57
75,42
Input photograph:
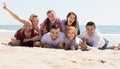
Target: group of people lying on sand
56,33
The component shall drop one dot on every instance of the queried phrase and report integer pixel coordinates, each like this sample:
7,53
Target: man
25,33
93,38
53,39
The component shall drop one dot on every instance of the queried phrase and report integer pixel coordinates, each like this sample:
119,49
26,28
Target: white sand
43,58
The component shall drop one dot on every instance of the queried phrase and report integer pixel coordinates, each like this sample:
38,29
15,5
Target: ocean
105,29
108,31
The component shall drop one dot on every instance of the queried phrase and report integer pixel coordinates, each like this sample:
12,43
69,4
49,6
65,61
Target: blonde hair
73,28
32,16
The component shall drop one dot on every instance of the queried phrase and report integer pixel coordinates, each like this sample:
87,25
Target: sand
44,58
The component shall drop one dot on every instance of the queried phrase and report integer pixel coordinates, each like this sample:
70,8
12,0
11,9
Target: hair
47,21
54,27
73,28
49,11
75,23
32,16
90,23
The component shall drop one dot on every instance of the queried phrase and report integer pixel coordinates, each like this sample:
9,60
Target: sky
102,12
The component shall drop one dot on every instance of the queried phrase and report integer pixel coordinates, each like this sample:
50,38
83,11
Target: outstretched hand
4,5
83,44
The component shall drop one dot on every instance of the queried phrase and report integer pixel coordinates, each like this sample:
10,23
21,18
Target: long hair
75,23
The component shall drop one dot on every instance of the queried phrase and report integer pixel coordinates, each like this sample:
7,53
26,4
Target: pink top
21,36
43,26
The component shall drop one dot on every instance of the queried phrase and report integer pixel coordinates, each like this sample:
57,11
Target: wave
113,36
4,31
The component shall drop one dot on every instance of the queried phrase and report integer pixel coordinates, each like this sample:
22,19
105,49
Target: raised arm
13,14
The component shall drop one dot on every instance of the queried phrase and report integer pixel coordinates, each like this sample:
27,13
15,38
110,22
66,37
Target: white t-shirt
46,38
95,41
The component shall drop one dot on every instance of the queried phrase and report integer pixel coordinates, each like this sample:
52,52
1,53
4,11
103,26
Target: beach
44,58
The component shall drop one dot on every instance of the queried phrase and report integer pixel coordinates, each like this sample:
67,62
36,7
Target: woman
71,21
51,19
72,42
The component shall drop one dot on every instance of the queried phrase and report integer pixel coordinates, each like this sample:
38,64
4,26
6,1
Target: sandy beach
44,58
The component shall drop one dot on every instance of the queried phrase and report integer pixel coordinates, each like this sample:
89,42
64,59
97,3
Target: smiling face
34,19
51,16
27,26
71,19
71,34
90,28
54,33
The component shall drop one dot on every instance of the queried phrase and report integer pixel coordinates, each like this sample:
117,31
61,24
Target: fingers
4,5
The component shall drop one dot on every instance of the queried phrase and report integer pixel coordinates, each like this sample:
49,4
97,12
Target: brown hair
73,28
47,21
75,23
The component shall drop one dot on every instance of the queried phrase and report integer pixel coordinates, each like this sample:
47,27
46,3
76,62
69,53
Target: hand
13,39
72,48
4,5
60,44
83,44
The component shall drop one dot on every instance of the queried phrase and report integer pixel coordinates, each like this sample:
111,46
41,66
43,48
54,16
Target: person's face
35,21
71,34
27,26
54,33
51,16
90,30
71,19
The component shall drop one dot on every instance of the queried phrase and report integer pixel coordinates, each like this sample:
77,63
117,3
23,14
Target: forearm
15,16
36,38
45,45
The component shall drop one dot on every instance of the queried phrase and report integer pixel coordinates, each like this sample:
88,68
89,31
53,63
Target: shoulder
83,33
64,21
61,33
98,33
46,35
78,39
58,20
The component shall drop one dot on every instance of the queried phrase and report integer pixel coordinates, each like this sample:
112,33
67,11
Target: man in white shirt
53,39
93,37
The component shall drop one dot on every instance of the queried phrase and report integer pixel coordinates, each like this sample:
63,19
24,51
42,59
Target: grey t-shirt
46,38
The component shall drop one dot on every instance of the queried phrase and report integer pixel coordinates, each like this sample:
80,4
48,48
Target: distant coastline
105,29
